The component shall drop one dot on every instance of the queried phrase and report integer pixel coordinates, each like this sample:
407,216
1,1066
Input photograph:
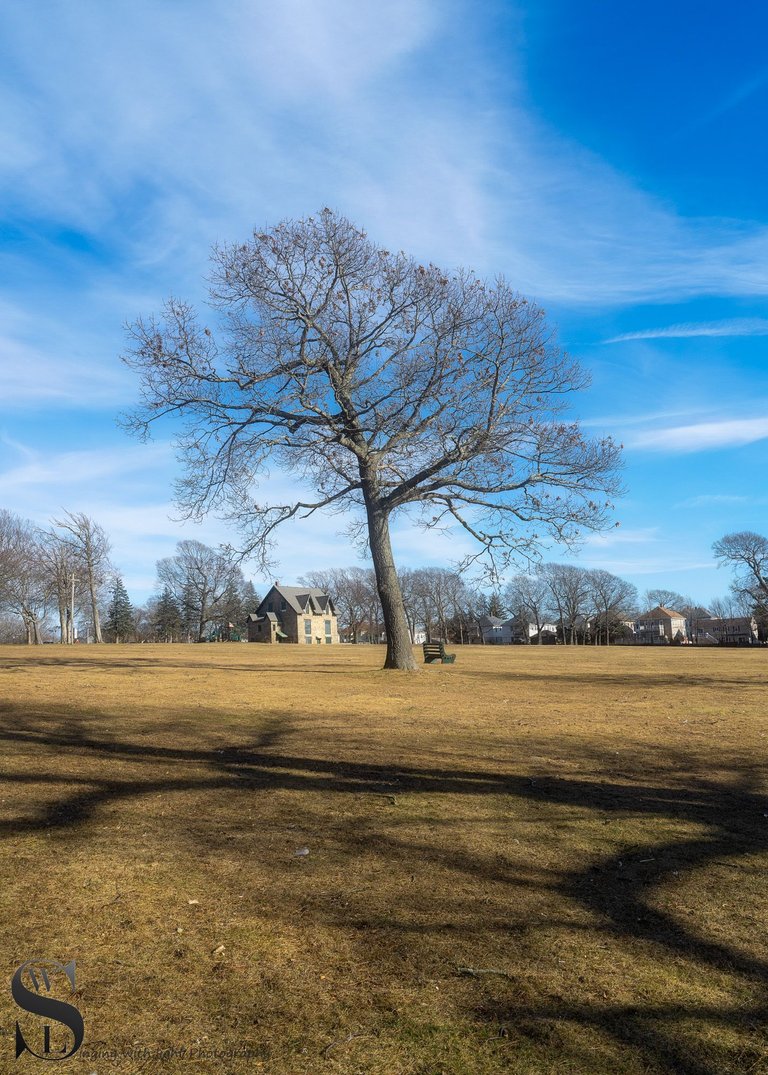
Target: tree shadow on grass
624,680
195,658
616,890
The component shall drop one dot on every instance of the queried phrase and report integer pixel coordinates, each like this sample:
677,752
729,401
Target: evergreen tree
494,606
250,599
228,616
168,617
119,625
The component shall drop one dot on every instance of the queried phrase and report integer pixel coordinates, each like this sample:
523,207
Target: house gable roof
661,613
303,600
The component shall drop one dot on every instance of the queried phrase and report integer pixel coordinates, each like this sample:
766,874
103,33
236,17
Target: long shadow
624,680
617,888
141,663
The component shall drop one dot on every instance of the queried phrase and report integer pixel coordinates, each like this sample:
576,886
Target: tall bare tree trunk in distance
94,606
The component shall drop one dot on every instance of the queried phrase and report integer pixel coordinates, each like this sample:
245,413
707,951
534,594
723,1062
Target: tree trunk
399,649
94,606
203,616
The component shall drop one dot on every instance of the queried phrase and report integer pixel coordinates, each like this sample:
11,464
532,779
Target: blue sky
609,159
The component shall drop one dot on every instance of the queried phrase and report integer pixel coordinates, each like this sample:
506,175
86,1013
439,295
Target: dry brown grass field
535,860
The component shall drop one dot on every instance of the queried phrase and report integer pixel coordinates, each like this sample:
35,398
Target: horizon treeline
59,583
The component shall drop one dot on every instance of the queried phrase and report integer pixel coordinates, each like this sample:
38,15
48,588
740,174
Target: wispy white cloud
667,566
621,421
706,500
738,326
727,433
198,123
732,100
149,131
66,471
57,360
619,536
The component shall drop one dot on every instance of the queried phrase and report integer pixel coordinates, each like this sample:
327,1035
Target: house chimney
276,582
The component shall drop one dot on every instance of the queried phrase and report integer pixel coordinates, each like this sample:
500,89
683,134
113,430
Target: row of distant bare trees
437,600
64,571
53,570
586,606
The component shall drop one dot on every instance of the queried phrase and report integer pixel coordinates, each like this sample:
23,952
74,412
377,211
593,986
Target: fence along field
534,860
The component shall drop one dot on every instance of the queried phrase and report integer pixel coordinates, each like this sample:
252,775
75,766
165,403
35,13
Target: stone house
299,614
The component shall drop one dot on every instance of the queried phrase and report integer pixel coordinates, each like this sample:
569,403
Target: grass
541,861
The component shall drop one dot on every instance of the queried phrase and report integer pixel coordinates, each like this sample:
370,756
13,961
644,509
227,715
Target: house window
327,628
307,627
283,606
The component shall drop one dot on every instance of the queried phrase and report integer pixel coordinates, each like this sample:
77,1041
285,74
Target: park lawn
537,860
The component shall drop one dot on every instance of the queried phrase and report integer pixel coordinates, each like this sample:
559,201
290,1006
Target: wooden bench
435,651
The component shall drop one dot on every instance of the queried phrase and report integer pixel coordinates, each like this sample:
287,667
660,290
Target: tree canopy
384,385
747,552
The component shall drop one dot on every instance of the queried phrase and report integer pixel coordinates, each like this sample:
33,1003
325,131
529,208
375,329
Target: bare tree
417,596
24,587
12,549
747,552
369,596
613,599
458,600
12,630
569,597
436,595
526,596
199,577
731,605
385,386
351,592
90,546
66,579
670,599
409,588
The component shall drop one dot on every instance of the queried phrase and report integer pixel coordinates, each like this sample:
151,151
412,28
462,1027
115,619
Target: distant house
660,625
374,633
495,631
299,614
727,631
498,632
